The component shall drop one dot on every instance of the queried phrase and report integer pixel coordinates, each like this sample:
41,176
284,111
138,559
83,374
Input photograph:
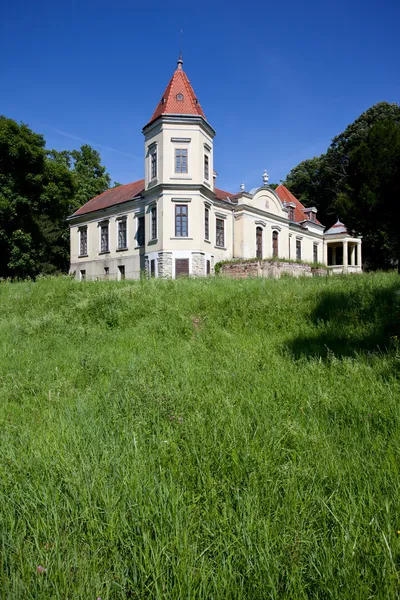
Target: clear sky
276,80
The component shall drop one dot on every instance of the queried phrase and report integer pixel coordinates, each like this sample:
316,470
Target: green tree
39,189
374,189
329,182
22,161
89,175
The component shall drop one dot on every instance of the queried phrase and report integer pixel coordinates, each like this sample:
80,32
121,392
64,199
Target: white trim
177,140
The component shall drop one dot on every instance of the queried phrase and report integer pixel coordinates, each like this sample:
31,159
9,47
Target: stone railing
270,268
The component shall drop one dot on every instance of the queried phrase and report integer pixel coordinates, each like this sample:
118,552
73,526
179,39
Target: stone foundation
272,269
165,265
198,264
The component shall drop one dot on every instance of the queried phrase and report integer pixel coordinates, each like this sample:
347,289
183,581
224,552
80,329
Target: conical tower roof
179,97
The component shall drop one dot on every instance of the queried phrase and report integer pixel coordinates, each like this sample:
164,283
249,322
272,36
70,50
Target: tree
39,189
330,183
374,191
22,159
89,175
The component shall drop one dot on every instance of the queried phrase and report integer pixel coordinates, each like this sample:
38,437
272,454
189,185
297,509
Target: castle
176,221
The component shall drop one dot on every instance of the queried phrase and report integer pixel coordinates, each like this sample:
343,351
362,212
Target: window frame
180,217
275,243
184,154
81,231
141,231
122,222
104,225
218,230
153,222
153,161
315,252
207,223
206,166
259,242
298,249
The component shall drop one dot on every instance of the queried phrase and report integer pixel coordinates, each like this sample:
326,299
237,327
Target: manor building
176,221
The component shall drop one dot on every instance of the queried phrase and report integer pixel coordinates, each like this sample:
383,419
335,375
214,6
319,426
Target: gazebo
342,250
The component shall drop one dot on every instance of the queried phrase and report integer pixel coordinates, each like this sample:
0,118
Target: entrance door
259,242
181,267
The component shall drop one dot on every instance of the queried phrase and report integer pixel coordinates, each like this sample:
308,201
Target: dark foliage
357,179
39,189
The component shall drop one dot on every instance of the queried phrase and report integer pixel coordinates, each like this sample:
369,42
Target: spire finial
180,60
265,177
242,187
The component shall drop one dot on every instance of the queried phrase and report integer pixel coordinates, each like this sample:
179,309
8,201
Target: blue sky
276,80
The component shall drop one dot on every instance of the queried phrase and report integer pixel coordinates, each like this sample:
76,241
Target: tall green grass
204,439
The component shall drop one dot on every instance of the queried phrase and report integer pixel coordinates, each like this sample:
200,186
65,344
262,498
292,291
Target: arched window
259,236
275,235
179,97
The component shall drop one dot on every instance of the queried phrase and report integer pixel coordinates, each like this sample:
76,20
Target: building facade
176,221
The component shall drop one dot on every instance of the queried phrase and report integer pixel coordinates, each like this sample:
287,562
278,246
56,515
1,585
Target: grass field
211,439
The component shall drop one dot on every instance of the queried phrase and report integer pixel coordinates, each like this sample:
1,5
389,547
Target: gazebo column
325,253
345,255
359,261
351,253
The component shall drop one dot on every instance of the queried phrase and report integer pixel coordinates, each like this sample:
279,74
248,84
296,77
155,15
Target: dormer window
179,97
311,214
291,213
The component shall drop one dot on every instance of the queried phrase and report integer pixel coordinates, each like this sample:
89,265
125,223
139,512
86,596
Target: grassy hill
211,439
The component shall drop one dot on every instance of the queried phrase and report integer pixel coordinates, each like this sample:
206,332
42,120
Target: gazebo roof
337,229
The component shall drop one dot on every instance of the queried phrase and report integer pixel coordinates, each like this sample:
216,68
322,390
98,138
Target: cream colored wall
246,224
162,135
196,204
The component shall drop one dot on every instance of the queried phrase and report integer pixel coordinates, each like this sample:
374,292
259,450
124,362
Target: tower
178,178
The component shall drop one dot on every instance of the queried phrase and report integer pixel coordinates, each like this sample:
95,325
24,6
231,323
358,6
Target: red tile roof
286,196
222,195
116,195
169,103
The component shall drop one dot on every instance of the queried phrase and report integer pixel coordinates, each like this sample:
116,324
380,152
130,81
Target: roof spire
180,60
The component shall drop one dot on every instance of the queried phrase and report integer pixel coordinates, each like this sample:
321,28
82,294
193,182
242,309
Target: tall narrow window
259,236
206,224
315,253
104,247
181,220
154,223
83,241
275,236
181,164
291,213
219,233
298,249
122,234
152,268
154,164
208,267
140,232
83,274
206,167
